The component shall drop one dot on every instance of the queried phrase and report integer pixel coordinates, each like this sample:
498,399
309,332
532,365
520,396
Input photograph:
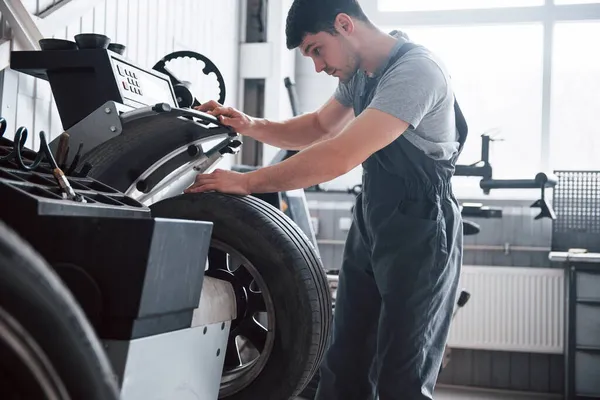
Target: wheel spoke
232,355
256,302
243,276
217,259
234,262
254,332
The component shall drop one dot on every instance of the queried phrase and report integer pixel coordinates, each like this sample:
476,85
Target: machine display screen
140,86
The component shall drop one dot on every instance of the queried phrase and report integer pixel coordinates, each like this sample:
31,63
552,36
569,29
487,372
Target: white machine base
182,365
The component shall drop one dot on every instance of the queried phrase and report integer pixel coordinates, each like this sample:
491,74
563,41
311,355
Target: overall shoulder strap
461,122
405,48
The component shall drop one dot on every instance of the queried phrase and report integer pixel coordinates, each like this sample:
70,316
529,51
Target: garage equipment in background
576,248
132,133
483,169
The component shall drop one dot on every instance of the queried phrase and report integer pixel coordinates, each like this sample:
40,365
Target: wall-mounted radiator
511,309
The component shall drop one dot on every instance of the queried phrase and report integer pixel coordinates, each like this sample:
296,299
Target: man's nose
319,66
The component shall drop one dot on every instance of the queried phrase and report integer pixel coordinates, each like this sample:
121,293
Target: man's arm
321,162
293,134
330,158
299,132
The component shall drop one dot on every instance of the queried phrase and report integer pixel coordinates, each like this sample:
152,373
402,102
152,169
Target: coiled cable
16,155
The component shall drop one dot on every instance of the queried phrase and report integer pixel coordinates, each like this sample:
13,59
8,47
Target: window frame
548,14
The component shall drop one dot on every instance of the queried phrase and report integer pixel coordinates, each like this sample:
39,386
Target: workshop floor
445,393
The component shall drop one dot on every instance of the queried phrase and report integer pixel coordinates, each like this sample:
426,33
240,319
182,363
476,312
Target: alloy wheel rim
250,342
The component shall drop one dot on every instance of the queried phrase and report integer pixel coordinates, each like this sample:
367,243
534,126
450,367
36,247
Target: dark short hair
314,16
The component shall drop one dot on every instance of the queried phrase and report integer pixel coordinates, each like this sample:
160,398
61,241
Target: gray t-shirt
416,89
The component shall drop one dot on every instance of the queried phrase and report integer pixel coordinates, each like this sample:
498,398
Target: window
574,127
497,77
438,5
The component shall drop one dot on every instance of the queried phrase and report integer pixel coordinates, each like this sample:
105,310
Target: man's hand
229,116
220,181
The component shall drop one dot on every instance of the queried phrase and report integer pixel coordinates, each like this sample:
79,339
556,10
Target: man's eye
317,52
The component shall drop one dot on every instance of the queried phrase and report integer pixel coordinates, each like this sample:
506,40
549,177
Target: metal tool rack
576,244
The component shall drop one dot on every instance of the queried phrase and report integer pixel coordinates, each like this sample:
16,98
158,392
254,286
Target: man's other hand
220,181
229,116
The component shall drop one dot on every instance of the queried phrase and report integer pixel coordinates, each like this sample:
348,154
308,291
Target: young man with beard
394,113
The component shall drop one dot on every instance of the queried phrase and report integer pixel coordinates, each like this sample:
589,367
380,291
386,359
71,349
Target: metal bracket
98,127
23,24
4,54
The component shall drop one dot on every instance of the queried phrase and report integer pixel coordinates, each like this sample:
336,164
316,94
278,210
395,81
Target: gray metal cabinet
582,323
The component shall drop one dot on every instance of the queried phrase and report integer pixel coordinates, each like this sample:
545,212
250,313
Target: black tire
119,161
310,391
292,272
45,317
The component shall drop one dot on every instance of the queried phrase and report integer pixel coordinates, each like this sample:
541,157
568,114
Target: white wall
150,29
273,62
313,90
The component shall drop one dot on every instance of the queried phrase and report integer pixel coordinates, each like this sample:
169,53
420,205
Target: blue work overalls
398,281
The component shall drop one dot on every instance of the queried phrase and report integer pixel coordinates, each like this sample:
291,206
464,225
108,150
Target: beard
347,75
352,63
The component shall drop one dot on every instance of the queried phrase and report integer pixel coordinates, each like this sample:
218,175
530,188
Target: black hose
16,154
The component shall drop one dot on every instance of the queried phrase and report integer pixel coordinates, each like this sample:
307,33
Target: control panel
139,87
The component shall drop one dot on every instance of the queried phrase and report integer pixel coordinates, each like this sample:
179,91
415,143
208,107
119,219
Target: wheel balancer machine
139,279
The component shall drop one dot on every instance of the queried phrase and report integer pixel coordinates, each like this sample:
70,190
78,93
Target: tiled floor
445,393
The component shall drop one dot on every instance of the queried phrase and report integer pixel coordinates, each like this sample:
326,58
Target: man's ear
344,24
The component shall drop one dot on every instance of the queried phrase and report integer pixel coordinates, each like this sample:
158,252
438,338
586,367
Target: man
395,116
